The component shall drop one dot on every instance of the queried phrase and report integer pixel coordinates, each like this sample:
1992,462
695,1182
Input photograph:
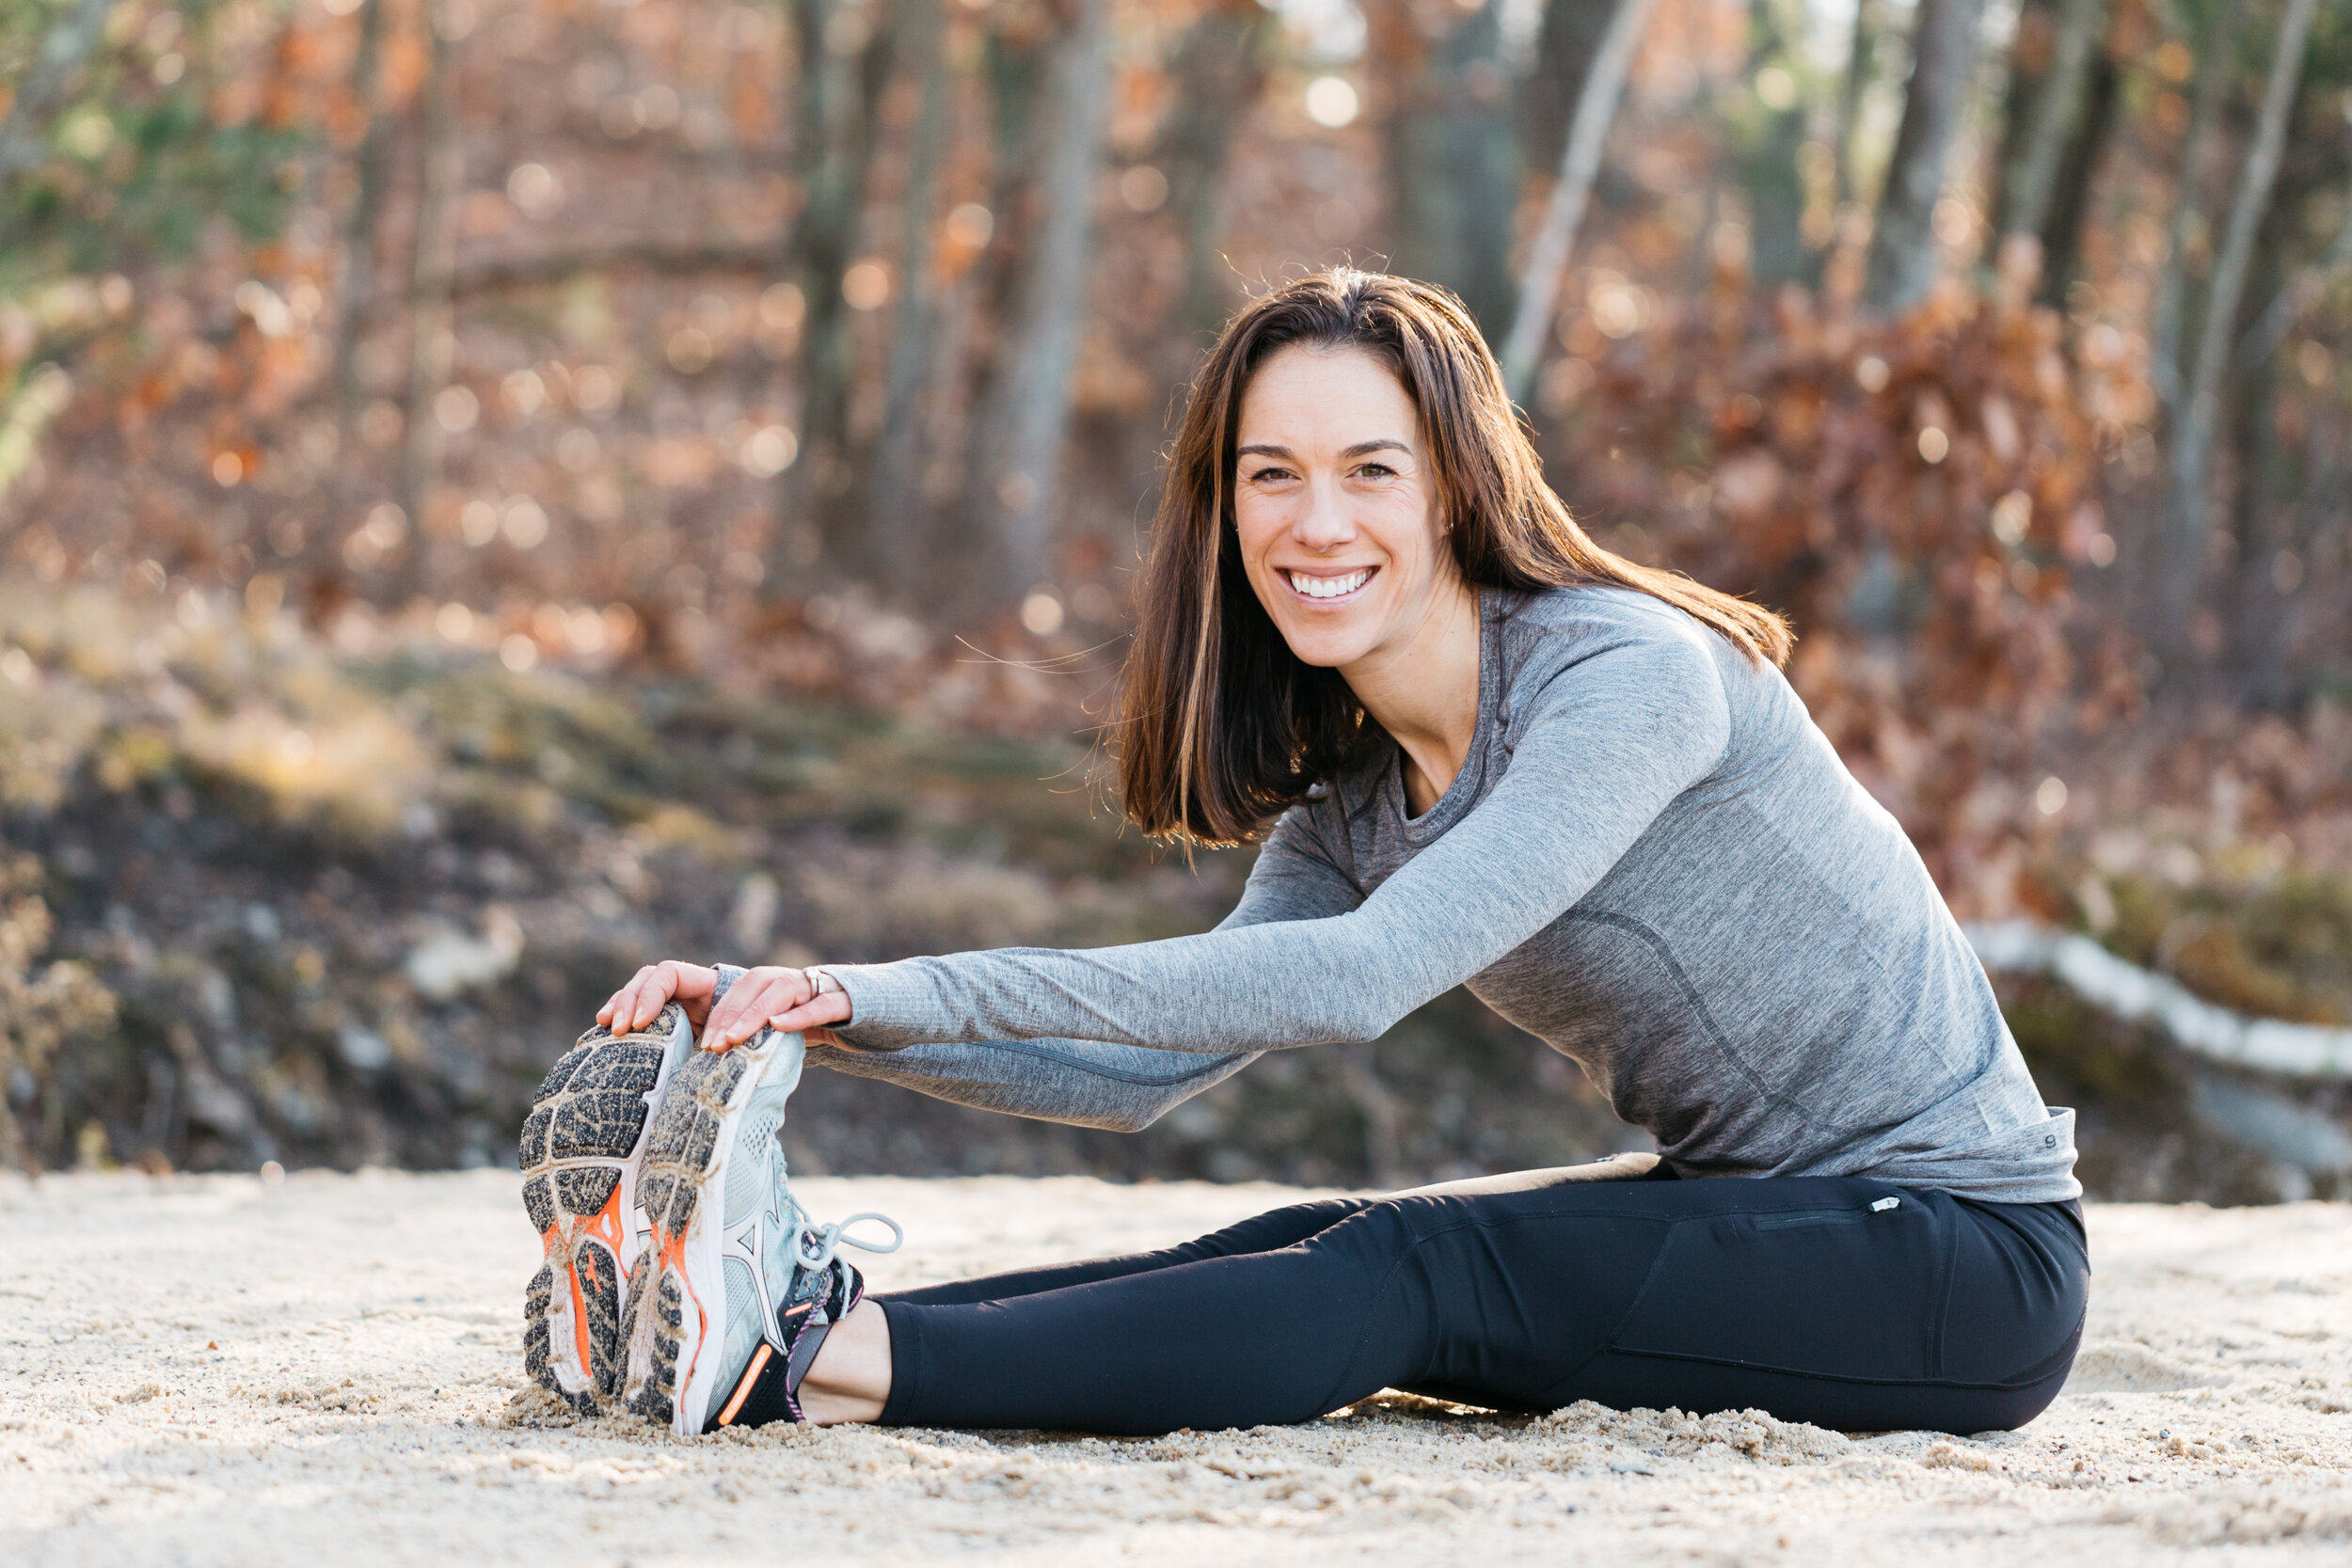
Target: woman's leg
1266,1233
1960,1317
1797,1295
850,1380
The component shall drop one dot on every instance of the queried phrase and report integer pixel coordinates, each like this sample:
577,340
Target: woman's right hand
640,1002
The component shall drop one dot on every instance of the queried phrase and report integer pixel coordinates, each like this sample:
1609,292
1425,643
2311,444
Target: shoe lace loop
817,1244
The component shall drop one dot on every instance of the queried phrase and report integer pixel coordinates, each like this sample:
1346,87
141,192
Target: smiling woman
1478,751
1348,421
1347,555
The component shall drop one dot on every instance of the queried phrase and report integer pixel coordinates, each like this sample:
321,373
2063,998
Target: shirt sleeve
1120,1087
1602,745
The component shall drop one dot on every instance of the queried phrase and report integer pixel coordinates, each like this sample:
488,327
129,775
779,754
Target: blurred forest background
495,491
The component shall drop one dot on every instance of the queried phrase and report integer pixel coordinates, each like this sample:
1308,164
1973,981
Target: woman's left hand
774,998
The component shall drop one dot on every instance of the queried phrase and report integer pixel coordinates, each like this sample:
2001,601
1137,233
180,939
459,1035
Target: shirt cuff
886,1007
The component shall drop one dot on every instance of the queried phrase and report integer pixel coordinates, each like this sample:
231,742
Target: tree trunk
24,134
1902,241
1860,62
840,80
2262,508
1218,77
1765,165
895,529
2212,75
1021,429
2030,179
358,282
431,334
1579,161
1565,43
2288,305
1013,71
2276,481
2071,203
2186,543
2032,42
1453,168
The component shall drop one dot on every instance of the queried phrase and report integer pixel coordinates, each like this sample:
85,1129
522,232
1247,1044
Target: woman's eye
1265,476
1375,471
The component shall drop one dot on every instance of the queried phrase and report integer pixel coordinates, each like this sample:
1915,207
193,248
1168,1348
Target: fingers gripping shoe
737,1291
582,1146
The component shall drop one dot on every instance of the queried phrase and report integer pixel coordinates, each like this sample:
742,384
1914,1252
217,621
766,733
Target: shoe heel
665,1323
578,1153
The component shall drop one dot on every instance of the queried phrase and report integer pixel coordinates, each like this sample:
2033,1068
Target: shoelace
829,1238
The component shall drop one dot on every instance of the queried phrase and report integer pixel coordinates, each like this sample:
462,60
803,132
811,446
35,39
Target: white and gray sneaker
580,1148
735,1290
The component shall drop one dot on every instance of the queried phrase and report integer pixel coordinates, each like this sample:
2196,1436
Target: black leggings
1844,1302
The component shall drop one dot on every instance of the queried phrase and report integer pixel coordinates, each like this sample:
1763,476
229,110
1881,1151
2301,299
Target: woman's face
1337,508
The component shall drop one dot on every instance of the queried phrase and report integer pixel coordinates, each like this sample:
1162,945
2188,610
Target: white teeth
1329,588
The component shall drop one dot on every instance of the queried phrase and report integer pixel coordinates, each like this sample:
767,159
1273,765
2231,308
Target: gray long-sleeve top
1651,859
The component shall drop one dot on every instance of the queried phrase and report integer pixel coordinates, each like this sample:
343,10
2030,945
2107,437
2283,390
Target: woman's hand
641,1000
773,998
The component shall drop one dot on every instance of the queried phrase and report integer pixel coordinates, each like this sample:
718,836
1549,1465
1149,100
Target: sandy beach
213,1371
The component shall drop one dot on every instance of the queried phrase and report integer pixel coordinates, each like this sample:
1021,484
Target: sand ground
212,1371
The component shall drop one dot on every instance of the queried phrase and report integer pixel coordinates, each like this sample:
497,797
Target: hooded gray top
1651,859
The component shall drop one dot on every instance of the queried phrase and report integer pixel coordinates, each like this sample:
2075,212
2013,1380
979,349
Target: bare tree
1021,429
2173,283
2192,437
1566,40
1218,75
1579,161
2030,181
843,66
2072,202
2295,298
894,529
359,282
1902,240
1860,57
1453,165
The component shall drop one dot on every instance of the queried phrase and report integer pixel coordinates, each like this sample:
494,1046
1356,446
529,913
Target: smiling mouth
1336,585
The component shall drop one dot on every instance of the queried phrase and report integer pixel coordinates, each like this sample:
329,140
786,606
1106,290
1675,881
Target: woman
1488,751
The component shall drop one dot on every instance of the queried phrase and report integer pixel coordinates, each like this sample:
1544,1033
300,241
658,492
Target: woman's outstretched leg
1267,1232
850,1379
1840,1301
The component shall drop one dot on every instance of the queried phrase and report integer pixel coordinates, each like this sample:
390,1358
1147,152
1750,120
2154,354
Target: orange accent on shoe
607,1227
579,1324
670,1253
743,1389
604,1227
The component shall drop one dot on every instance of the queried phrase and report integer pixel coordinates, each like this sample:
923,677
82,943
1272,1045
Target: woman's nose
1323,523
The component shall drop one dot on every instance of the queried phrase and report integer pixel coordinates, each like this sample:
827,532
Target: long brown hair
1221,725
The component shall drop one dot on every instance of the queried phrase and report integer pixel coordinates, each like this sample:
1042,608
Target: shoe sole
677,1291
581,1152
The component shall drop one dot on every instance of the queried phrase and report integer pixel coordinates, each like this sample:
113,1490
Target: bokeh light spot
1331,102
1042,612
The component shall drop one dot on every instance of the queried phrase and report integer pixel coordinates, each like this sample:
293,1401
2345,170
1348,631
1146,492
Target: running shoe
737,1290
581,1148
